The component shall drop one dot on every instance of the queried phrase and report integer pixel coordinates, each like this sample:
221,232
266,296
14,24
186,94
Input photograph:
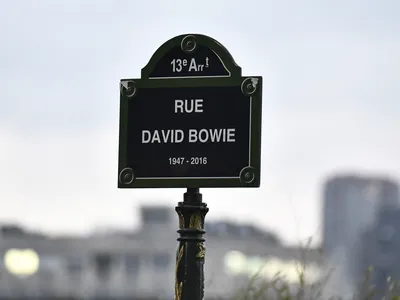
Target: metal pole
189,273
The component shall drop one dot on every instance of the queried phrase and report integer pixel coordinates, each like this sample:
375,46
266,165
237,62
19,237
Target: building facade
140,264
380,250
351,205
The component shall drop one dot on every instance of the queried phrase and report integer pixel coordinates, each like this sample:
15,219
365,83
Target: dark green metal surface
250,175
190,258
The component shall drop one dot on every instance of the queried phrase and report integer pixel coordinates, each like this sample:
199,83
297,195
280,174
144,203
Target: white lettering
199,105
192,65
156,137
178,105
166,136
204,133
231,135
212,135
188,106
163,136
192,135
179,135
146,133
176,65
215,135
196,67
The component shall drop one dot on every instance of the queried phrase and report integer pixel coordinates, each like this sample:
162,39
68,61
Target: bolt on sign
191,120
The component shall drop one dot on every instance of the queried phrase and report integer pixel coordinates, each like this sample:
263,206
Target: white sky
331,103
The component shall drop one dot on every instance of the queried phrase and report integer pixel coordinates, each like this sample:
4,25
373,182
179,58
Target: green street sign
191,120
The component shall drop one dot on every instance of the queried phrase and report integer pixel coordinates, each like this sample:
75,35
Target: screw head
249,87
126,176
128,88
188,44
247,175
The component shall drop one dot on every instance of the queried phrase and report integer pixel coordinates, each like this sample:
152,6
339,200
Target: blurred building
140,264
381,248
351,205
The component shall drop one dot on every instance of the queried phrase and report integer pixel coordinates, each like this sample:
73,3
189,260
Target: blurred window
132,263
103,263
161,260
74,266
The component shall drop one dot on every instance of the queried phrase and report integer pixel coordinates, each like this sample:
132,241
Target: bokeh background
331,74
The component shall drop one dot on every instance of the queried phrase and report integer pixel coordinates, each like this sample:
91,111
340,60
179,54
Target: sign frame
251,87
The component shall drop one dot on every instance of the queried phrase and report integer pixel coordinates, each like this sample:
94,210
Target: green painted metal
126,178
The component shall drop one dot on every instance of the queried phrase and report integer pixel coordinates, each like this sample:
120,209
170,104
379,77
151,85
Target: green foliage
278,288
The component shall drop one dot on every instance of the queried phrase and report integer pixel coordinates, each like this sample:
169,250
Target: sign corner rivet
128,88
188,43
126,176
247,175
249,86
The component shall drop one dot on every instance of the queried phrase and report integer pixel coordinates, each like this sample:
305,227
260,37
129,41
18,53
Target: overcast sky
330,104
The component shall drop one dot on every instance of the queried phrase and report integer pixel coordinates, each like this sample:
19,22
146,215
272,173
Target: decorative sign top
194,56
192,120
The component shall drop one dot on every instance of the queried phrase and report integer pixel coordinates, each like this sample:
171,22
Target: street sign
191,120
